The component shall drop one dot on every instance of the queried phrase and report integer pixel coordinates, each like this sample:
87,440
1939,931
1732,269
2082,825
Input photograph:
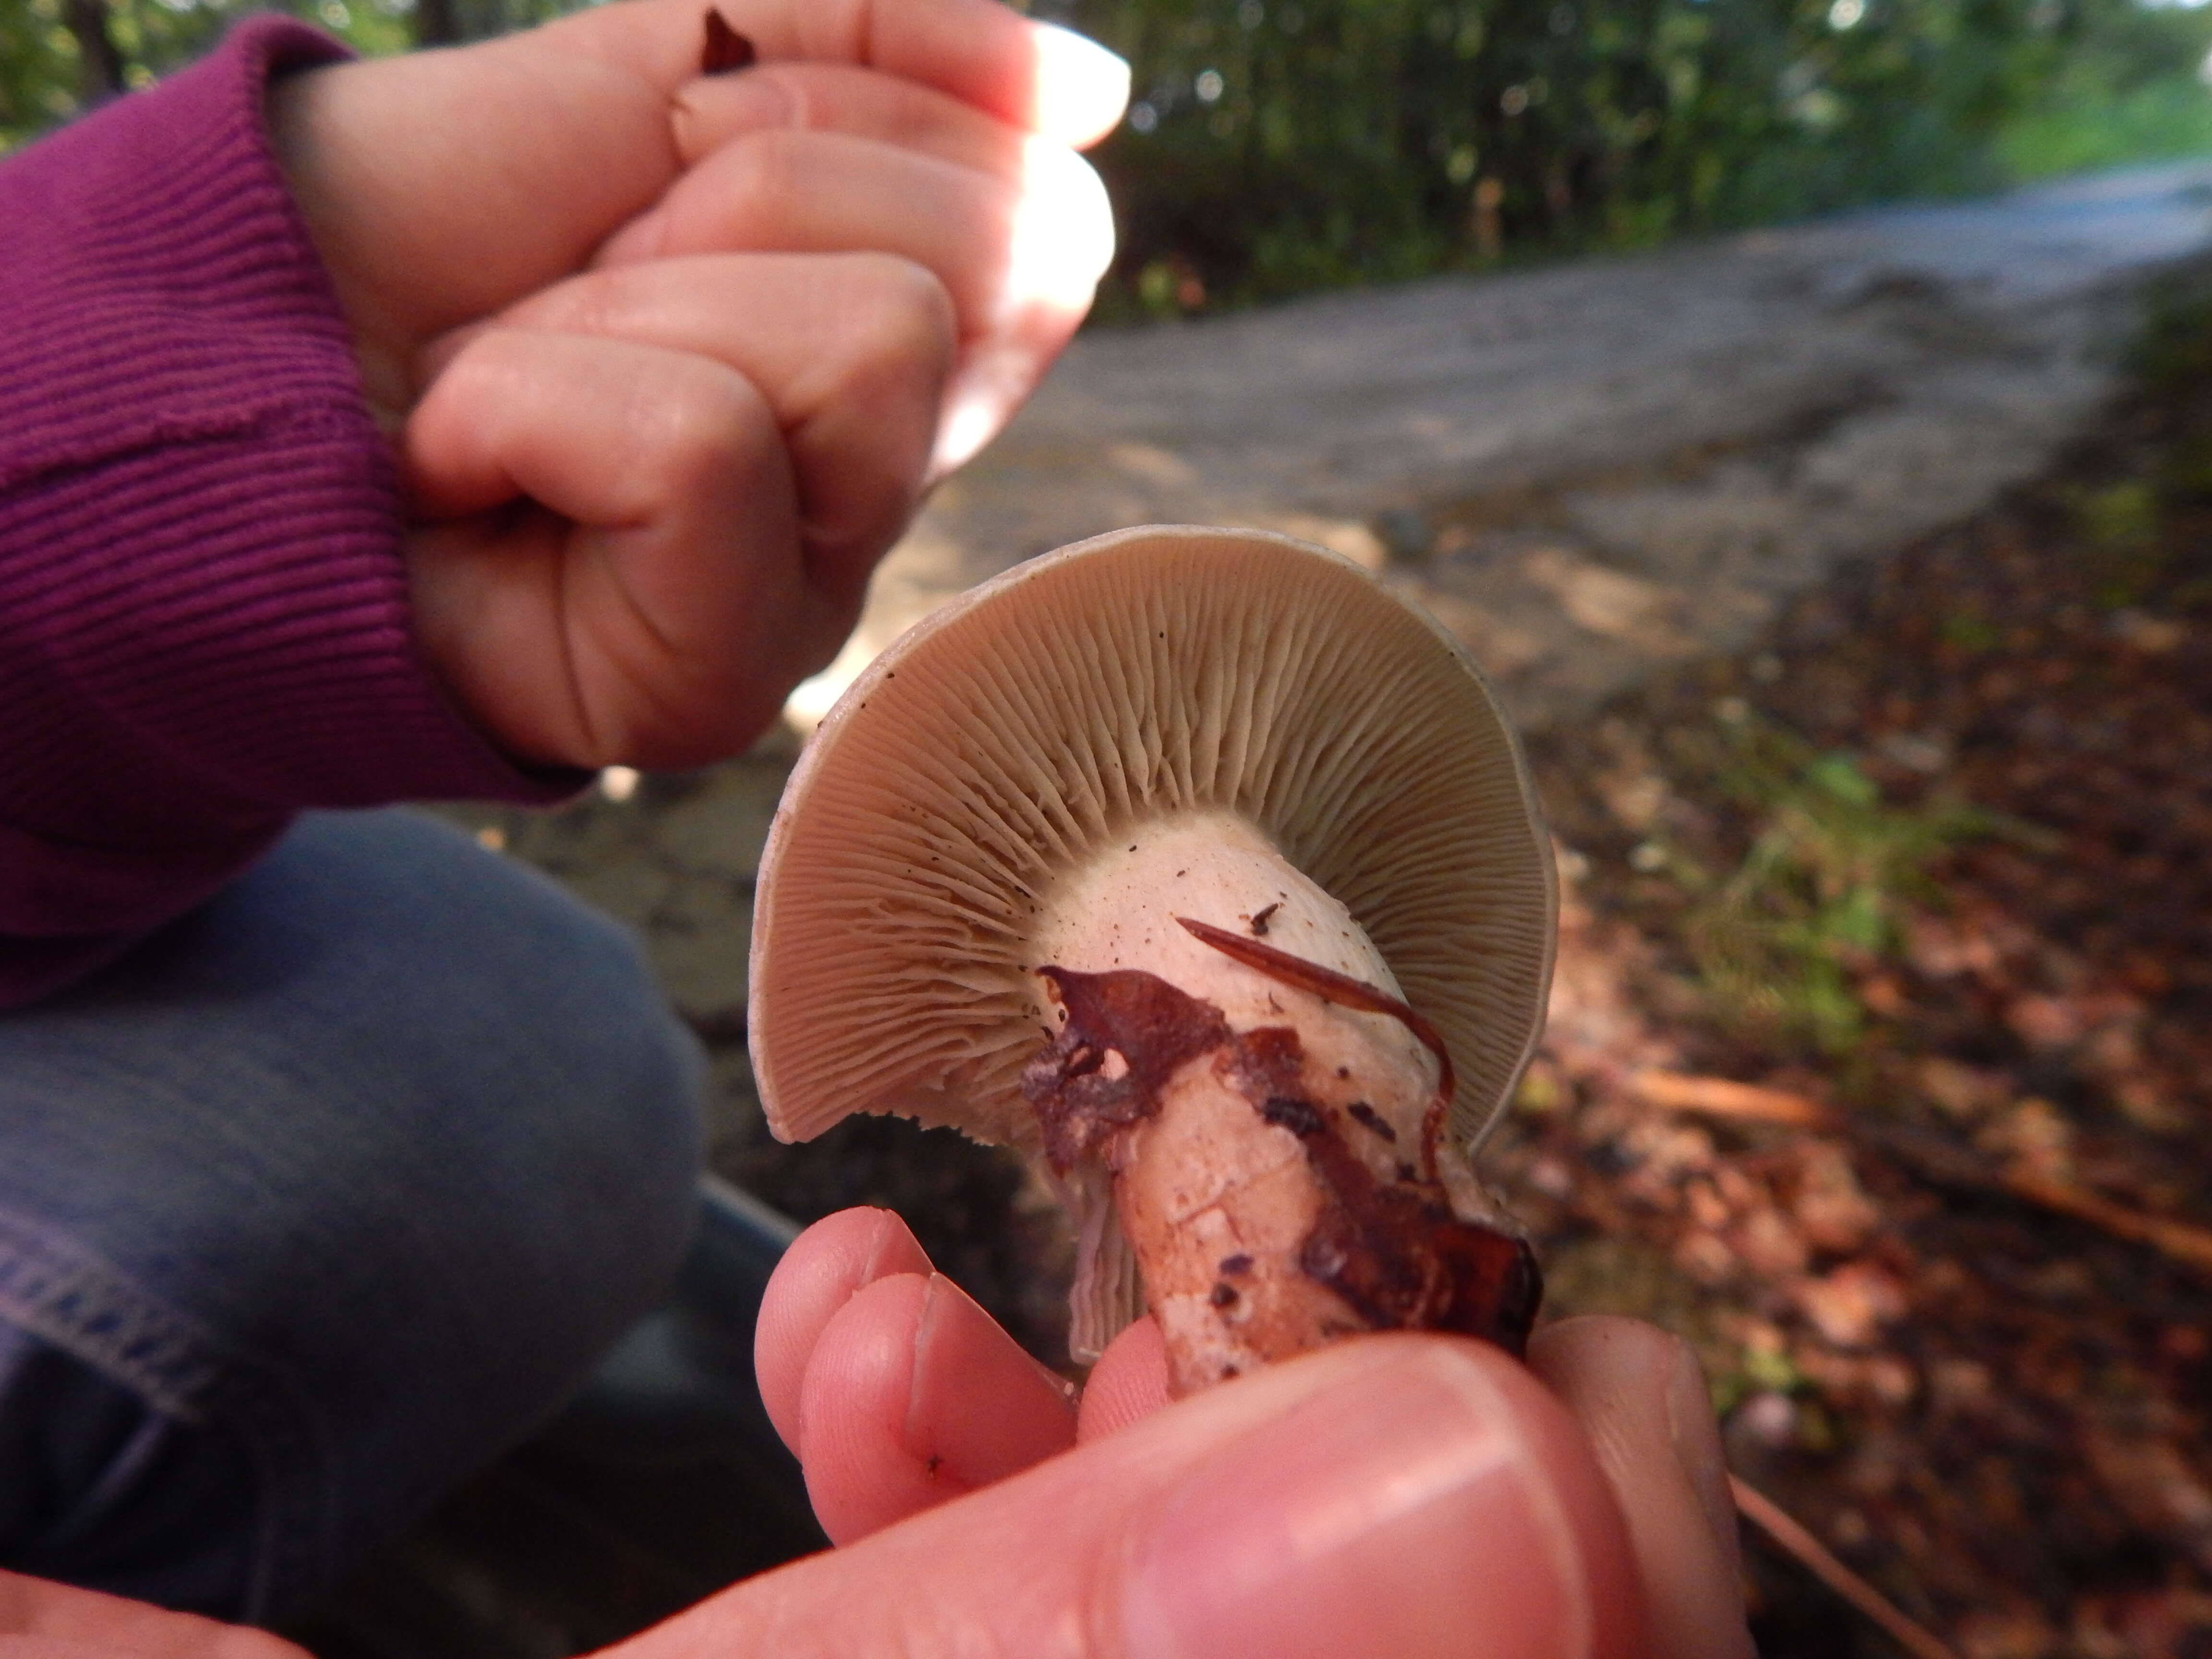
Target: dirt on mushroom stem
1272,1125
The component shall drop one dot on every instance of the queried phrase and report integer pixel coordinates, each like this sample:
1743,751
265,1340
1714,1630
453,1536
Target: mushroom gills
1277,1160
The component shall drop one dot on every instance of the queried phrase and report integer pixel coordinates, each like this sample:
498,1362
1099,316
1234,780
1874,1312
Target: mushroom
1206,872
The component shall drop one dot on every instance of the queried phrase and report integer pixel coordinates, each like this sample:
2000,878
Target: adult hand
1398,1497
40,1619
670,359
1390,1498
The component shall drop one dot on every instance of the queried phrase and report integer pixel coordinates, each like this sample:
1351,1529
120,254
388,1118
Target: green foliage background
1352,139
1277,146
45,78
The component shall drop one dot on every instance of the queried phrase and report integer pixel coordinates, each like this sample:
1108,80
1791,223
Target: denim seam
78,1303
68,1296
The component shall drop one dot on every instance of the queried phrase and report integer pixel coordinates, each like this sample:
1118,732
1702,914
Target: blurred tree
1276,146
2114,91
99,59
39,79
58,58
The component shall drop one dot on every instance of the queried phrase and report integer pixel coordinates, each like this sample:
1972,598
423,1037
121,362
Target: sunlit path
1667,445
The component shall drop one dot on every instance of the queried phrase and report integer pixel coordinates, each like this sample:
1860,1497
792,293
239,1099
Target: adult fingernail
1695,1438
885,1236
1401,1514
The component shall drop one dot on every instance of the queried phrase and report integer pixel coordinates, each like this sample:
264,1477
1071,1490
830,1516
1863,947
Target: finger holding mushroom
1636,1397
1200,868
895,1390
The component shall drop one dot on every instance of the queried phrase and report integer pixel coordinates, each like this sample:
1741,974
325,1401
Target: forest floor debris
1878,1061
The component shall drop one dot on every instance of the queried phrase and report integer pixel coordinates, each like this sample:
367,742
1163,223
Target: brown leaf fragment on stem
1346,993
1266,1065
1393,1254
1396,1254
1403,1266
1127,1032
724,49
1403,1262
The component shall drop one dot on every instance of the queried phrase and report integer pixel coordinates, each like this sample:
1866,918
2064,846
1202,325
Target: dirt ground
1877,1058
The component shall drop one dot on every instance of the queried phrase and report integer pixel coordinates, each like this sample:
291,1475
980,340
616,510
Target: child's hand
671,358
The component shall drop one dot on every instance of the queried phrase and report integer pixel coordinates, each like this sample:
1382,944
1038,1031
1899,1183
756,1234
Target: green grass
1820,894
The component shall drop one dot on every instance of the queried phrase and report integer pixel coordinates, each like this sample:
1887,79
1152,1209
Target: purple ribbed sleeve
203,611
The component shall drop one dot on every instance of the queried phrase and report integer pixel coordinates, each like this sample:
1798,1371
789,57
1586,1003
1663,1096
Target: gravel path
1665,446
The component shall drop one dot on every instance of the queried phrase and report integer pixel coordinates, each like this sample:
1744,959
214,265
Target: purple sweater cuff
203,622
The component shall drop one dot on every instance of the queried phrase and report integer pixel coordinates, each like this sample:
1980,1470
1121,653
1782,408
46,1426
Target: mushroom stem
1235,1053
1346,992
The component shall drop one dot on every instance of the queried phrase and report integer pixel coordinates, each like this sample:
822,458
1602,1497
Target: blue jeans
328,1192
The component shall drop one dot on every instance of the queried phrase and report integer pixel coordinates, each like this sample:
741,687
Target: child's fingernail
1062,236
741,103
715,111
1081,87
1402,1513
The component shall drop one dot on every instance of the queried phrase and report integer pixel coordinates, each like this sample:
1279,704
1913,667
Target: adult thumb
1395,1497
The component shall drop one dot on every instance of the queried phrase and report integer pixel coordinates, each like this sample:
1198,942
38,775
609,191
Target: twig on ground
1720,1097
1939,1161
2175,1240
1809,1552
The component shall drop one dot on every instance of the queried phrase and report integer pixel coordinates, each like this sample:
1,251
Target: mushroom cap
1019,730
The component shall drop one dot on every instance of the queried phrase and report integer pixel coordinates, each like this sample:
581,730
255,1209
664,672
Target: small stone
1767,1419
